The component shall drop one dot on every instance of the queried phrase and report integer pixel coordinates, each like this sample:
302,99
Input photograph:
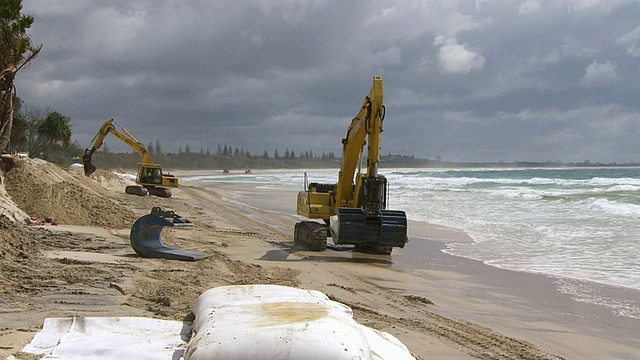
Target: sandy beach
439,306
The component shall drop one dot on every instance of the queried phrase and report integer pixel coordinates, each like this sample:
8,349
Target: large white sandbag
231,322
278,322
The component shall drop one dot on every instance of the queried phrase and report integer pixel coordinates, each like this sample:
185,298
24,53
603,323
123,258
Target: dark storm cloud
483,80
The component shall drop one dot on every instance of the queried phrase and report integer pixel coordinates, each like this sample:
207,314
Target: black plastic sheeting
146,241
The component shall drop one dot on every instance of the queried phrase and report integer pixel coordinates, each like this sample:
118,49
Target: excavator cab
149,175
151,180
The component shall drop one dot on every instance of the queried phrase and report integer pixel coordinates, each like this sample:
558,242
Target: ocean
580,226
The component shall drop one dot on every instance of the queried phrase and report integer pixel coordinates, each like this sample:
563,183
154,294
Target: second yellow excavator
149,180
354,210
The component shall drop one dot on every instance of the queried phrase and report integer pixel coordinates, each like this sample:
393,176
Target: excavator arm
366,125
123,135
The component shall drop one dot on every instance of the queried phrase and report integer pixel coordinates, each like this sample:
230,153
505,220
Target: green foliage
25,136
35,143
55,128
15,44
198,160
16,51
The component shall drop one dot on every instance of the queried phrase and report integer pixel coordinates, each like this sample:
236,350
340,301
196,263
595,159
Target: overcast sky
483,80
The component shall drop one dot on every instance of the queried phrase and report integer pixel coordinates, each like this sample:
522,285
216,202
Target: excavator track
136,190
311,235
159,191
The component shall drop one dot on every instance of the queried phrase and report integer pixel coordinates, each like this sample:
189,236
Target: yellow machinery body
150,179
354,209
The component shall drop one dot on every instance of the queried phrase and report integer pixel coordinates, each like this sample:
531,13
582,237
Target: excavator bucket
145,237
89,168
353,226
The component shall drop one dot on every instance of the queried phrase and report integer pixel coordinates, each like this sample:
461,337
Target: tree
286,153
33,143
236,152
55,128
16,51
150,148
225,151
18,138
158,149
187,149
275,154
219,151
265,154
293,155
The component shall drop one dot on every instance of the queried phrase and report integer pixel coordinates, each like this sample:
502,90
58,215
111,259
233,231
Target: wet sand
524,305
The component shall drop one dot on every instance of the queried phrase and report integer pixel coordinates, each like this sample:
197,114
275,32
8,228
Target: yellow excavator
149,180
353,210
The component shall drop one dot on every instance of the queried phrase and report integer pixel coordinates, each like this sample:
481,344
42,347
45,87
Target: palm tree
16,51
55,128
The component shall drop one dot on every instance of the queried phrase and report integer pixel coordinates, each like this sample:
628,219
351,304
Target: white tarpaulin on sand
231,322
120,338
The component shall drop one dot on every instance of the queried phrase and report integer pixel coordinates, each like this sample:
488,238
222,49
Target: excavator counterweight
387,228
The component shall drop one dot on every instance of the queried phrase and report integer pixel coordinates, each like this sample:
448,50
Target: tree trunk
6,115
6,120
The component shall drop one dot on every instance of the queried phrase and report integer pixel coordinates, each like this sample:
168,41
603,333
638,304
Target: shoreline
438,305
524,304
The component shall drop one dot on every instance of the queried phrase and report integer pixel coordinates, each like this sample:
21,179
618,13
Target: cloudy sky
483,80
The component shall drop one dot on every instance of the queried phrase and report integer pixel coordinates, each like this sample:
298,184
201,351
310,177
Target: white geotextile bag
121,338
278,322
231,322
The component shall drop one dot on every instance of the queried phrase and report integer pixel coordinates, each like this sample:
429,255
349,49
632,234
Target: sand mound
14,240
110,181
8,208
44,190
